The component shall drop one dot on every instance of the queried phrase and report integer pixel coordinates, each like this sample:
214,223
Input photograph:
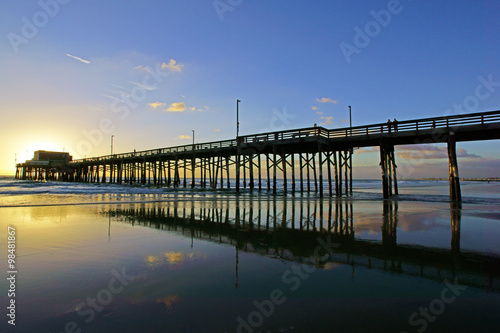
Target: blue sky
65,83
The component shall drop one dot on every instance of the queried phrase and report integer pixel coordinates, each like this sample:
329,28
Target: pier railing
315,132
161,151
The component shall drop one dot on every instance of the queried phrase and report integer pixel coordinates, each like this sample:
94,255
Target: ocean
121,258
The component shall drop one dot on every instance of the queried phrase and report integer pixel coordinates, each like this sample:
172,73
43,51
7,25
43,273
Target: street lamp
350,155
237,117
112,144
350,119
193,137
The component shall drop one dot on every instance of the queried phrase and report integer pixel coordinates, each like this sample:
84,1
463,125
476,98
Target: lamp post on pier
112,144
237,146
237,118
350,155
350,120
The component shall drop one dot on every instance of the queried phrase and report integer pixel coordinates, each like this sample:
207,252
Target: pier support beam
388,168
455,192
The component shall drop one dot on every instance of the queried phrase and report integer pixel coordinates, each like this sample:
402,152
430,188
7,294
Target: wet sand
247,265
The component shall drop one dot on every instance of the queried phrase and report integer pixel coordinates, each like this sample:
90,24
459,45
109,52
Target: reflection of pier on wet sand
293,231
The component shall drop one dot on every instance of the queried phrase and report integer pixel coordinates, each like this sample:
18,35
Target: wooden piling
455,191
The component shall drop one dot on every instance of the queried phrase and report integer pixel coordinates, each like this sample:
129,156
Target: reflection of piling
296,227
390,224
456,219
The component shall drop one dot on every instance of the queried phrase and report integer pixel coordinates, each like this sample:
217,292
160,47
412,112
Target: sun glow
33,146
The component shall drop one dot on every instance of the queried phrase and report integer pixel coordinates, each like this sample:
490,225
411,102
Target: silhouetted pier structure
293,229
302,155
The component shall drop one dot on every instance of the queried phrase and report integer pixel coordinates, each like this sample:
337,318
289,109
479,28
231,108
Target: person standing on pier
389,125
395,122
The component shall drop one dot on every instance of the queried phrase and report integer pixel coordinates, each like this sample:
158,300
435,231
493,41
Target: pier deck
307,153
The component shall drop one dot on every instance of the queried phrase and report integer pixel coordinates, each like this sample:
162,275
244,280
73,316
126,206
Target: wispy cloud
414,152
156,105
194,108
172,65
217,130
315,108
366,150
327,120
177,107
146,87
141,68
326,100
183,137
78,58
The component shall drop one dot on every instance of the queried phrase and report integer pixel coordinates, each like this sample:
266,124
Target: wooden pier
299,155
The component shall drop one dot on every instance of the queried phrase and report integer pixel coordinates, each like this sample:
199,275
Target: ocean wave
410,190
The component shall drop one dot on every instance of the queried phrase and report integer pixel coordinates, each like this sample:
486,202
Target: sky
74,73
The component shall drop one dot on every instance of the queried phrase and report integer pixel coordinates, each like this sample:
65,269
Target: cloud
146,87
319,113
416,152
366,150
463,153
172,65
194,108
315,108
327,120
176,107
326,100
217,130
78,58
141,68
156,105
183,137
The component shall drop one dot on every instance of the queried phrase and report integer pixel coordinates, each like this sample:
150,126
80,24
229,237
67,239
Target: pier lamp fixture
193,137
112,144
237,118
